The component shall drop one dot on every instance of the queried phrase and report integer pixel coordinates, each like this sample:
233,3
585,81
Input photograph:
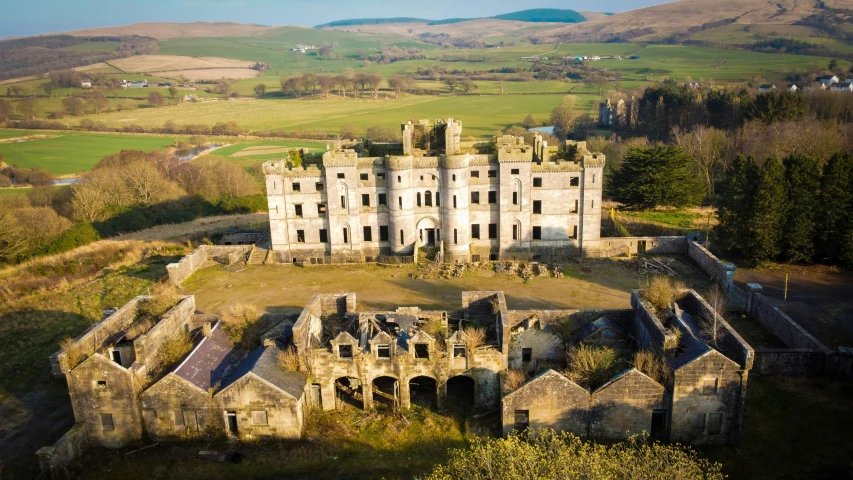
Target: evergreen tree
767,213
836,202
802,182
737,192
653,176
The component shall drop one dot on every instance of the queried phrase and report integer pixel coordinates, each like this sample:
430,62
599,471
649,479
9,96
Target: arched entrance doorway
423,391
461,394
428,231
386,393
348,393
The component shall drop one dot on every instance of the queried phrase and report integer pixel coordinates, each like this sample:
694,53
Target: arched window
427,198
437,199
418,196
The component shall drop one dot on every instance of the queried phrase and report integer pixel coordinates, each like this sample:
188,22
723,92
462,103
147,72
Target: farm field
481,115
70,153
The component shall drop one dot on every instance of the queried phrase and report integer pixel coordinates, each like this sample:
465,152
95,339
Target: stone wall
96,336
174,409
789,361
282,416
178,272
728,340
616,246
551,401
780,324
710,264
623,406
68,448
174,322
648,329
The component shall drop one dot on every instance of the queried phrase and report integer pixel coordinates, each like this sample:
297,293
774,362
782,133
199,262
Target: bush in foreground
545,455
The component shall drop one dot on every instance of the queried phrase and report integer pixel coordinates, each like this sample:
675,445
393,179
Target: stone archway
428,231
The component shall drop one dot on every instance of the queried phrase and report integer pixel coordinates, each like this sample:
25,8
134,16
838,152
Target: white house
792,87
842,87
827,80
86,84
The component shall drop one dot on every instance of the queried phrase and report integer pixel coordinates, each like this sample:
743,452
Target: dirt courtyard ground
820,298
285,288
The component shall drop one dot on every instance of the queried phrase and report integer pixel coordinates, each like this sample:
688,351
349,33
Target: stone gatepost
753,289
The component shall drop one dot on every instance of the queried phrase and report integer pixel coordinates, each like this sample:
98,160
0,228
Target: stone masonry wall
789,361
551,401
178,272
174,409
284,416
624,407
781,325
175,321
68,448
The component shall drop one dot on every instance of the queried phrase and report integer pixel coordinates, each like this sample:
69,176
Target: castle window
459,350
493,231
383,351
493,173
475,174
418,199
428,198
537,206
574,181
537,182
593,178
437,200
575,208
300,236
400,201
259,417
298,209
515,232
343,201
321,209
380,176
365,200
455,237
363,177
493,196
107,422
526,354
575,232
401,237
475,197
297,187
515,198
344,351
709,386
102,384
368,234
454,177
454,201
715,423
475,231
422,350
592,204
422,178
698,422
383,199
537,233
179,420
319,186
399,179
514,171
341,175
383,233
324,235
346,235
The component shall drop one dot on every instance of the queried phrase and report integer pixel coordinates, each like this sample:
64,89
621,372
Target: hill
170,30
536,15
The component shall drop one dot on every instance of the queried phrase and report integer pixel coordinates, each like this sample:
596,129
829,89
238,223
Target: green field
69,153
481,115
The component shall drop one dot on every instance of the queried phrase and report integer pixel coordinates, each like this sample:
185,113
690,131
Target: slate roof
206,365
263,362
601,324
691,350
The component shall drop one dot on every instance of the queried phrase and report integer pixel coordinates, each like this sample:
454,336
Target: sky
32,17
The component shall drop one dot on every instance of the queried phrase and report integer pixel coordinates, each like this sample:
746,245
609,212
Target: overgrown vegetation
512,380
548,455
172,350
660,291
474,337
241,323
654,365
591,366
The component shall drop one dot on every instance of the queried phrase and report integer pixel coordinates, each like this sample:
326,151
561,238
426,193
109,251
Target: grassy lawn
69,153
673,218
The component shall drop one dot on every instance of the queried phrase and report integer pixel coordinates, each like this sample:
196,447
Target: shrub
240,323
653,364
248,204
592,366
161,299
474,338
288,359
661,291
172,350
547,455
437,329
82,233
512,380
74,354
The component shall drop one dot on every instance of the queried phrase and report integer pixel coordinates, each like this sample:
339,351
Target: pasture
481,115
70,153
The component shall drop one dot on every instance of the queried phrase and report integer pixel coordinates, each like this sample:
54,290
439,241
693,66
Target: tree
451,83
6,110
734,208
547,455
155,99
657,176
327,84
308,82
802,182
373,81
223,87
833,64
564,116
767,214
344,82
173,92
396,83
74,106
49,88
468,85
26,108
98,101
776,106
836,202
260,89
529,122
348,131
705,145
380,133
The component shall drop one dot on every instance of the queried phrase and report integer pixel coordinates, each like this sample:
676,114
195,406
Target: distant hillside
536,15
169,30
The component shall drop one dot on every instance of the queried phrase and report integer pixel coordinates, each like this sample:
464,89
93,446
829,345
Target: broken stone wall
174,409
552,401
68,448
624,407
188,265
262,411
175,321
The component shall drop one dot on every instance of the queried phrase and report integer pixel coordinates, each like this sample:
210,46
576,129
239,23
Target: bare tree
344,82
49,88
6,110
327,84
26,108
717,300
155,99
705,145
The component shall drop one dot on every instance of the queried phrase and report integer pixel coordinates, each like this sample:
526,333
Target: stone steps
258,256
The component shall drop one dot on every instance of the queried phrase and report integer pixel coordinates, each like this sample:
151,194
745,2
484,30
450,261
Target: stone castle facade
515,201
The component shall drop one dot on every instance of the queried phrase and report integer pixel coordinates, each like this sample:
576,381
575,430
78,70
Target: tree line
794,209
